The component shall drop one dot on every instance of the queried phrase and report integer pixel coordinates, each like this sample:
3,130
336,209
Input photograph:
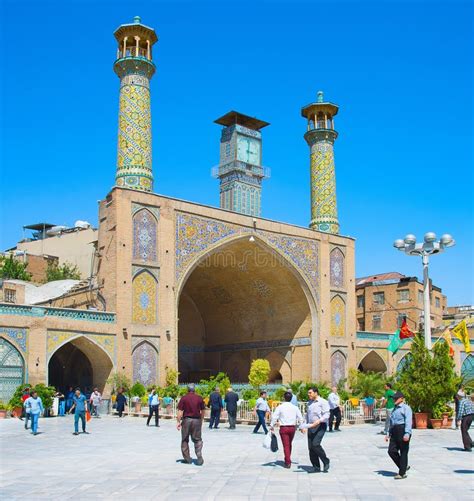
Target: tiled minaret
134,67
320,137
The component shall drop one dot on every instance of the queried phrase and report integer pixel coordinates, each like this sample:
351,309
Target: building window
379,297
361,324
404,296
437,302
420,296
10,296
376,322
400,318
360,301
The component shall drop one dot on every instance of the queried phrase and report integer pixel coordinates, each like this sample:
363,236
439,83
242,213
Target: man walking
316,424
399,434
231,399
153,406
34,406
215,403
294,399
389,404
261,409
289,416
334,401
189,419
464,419
95,400
79,406
26,395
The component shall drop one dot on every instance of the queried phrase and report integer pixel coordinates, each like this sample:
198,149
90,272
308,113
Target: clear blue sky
400,72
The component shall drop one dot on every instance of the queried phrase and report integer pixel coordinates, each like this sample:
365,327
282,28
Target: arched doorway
12,370
467,368
241,301
372,362
79,363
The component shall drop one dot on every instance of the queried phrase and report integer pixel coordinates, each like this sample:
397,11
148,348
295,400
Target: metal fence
354,411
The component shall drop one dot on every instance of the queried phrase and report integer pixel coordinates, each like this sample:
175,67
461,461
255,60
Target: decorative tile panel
338,317
336,266
17,335
145,299
195,235
144,236
145,360
338,367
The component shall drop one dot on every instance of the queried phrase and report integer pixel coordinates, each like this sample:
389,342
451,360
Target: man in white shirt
334,401
288,415
316,424
261,409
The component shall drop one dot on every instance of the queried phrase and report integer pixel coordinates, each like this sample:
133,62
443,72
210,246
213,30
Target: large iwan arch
243,300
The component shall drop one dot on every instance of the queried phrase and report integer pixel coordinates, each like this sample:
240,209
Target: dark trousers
27,417
334,413
191,427
120,411
215,417
466,422
261,422
287,434
232,419
398,448
316,452
153,409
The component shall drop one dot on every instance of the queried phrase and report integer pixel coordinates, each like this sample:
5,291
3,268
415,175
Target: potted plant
447,416
3,410
437,413
137,391
427,379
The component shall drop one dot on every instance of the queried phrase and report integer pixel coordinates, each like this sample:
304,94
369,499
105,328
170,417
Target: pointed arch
338,316
338,367
12,369
144,298
372,362
336,267
145,227
145,362
467,368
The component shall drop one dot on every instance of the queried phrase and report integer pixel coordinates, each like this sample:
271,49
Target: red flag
405,332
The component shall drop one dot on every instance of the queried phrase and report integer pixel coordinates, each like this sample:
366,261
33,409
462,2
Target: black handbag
274,443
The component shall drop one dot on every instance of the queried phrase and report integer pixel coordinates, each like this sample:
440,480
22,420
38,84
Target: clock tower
240,168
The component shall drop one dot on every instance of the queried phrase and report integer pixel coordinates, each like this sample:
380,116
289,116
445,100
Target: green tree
138,390
207,386
13,269
119,380
428,382
63,272
259,372
171,376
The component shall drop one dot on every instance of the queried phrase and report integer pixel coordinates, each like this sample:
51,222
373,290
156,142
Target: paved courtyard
125,459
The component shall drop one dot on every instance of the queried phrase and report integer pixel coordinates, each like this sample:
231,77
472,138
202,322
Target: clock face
248,150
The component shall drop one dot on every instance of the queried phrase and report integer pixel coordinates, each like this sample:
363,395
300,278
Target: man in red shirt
24,414
190,418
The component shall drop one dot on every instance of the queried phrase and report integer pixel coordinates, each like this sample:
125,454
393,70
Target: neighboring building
36,266
384,300
455,314
75,246
186,286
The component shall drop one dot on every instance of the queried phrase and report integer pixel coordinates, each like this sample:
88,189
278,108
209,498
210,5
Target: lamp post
425,249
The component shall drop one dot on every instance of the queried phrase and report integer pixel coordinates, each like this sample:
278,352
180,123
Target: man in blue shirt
80,407
34,406
153,405
399,434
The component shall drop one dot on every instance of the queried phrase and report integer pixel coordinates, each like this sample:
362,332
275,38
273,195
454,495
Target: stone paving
122,458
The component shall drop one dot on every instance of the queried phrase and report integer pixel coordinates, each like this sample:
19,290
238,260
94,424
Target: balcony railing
69,313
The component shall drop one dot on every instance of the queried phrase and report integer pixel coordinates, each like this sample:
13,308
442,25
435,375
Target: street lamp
425,249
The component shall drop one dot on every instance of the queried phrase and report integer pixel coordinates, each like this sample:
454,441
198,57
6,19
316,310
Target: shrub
171,377
250,394
259,372
46,393
138,390
119,380
207,386
13,269
62,272
366,384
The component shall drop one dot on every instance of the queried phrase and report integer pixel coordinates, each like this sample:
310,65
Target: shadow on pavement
464,471
455,449
385,473
307,469
274,463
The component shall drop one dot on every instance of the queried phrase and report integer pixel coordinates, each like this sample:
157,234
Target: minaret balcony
242,167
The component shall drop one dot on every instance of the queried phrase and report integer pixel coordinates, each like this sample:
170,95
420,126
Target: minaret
134,67
320,137
240,163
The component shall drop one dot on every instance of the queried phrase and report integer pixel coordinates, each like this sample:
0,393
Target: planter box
436,423
3,413
421,420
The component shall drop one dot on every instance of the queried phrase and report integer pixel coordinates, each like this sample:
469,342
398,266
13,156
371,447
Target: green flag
395,342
